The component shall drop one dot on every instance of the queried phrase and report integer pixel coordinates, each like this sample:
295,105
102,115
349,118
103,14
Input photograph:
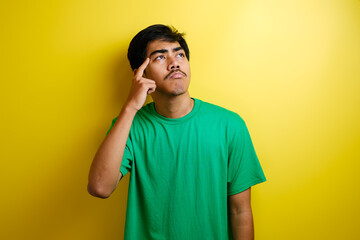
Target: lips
176,75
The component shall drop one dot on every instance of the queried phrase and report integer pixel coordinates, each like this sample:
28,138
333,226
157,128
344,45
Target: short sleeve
128,156
244,169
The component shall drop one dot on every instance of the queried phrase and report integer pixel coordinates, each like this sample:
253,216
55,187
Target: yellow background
291,69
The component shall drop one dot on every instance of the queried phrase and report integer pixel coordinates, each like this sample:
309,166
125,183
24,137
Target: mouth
176,74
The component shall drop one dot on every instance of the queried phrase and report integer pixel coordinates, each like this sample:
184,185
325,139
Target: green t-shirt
182,171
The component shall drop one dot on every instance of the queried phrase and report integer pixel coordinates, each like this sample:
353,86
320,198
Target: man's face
168,67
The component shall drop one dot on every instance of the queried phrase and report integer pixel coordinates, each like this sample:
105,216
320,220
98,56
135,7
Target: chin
172,92
177,93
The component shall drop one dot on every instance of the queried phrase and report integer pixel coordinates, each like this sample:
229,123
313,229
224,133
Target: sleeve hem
244,187
123,172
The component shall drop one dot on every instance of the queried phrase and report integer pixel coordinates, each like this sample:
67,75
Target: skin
169,68
241,218
165,75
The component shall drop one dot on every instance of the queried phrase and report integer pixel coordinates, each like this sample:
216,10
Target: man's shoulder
213,110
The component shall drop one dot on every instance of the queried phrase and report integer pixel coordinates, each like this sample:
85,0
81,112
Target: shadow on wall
64,209
120,79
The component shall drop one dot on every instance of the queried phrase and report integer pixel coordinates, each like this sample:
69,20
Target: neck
173,106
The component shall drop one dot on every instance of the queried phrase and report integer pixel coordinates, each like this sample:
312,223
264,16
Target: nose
173,64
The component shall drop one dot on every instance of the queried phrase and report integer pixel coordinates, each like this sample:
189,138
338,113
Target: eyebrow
165,50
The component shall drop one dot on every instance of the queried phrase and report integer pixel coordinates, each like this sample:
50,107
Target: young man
192,163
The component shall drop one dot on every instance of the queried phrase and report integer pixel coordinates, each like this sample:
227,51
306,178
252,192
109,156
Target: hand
140,87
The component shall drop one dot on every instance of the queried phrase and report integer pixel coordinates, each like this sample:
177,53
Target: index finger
141,69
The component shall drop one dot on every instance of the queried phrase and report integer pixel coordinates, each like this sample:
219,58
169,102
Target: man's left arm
242,226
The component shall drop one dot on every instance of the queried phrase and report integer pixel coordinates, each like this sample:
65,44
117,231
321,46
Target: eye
160,57
181,55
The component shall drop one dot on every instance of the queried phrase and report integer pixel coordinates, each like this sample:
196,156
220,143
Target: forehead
160,44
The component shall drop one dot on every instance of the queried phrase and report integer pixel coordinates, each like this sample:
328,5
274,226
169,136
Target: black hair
138,45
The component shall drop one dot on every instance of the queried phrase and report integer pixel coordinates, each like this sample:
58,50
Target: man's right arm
104,172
